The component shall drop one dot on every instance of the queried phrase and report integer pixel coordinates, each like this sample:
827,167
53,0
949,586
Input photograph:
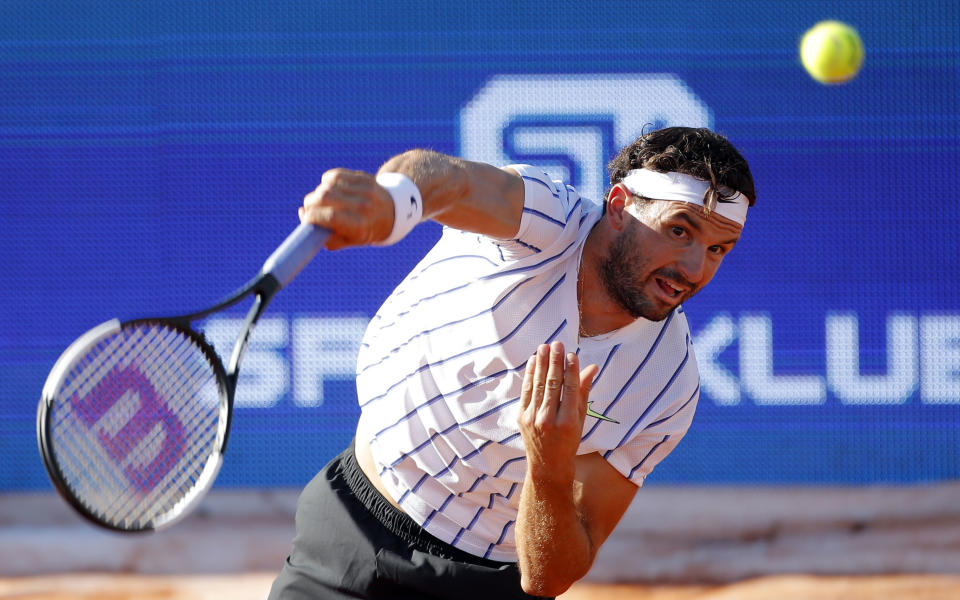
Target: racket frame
49,398
264,287
278,270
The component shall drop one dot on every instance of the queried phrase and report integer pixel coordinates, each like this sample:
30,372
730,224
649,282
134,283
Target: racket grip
295,252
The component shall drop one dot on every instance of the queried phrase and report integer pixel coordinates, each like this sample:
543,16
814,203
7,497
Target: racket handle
295,252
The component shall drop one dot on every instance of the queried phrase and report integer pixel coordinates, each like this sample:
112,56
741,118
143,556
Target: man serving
487,463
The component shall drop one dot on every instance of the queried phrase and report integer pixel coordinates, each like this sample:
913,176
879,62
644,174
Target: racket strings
136,423
107,425
92,368
181,481
177,385
132,508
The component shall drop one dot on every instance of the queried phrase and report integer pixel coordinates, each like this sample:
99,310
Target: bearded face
637,283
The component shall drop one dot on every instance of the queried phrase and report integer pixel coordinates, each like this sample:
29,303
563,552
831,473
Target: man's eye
678,231
718,249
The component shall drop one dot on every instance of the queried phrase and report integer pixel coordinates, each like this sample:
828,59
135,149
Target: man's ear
616,206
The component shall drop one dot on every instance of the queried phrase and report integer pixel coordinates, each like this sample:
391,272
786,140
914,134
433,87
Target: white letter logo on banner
571,125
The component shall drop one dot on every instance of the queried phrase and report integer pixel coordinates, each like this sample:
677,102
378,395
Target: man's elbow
549,586
544,588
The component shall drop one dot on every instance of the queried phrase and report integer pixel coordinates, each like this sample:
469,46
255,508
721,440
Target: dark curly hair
698,152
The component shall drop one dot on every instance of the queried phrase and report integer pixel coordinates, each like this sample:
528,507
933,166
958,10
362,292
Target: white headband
681,187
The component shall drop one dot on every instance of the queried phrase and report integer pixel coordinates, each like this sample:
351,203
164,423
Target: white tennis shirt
441,364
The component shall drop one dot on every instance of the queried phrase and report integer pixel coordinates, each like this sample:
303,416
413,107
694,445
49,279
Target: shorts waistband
395,520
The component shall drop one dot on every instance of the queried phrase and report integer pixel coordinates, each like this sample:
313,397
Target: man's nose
692,264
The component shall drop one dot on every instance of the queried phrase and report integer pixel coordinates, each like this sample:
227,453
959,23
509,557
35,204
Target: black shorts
351,542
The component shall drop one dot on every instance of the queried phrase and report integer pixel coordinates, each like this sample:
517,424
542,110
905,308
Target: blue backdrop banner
152,154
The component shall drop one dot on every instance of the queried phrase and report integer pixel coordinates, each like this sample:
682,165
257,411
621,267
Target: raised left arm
569,504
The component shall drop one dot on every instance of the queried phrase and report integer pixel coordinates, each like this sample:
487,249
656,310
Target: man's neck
599,312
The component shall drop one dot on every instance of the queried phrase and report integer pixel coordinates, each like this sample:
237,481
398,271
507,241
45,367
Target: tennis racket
134,416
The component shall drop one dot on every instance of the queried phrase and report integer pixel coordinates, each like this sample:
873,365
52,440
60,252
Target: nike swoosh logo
596,415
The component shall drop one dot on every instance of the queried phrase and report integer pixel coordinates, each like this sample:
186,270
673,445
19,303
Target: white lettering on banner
292,358
843,361
322,349
721,385
583,146
575,120
940,357
924,354
756,369
264,372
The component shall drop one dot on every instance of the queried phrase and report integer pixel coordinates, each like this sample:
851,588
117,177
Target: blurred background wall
152,154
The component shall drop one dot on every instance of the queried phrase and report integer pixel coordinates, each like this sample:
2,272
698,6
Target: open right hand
553,405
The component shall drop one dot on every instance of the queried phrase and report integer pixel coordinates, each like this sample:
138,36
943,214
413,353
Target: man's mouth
670,289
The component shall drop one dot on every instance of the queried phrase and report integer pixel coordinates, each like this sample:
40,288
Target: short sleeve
548,207
637,457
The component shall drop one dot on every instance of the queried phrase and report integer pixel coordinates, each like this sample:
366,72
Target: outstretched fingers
570,407
553,383
526,389
539,377
554,390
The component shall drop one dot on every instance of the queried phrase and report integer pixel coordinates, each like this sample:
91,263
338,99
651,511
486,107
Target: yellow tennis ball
831,52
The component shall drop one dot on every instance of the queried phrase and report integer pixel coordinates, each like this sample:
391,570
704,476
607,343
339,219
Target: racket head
132,423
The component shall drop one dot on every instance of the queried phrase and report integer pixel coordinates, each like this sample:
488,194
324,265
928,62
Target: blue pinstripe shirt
440,368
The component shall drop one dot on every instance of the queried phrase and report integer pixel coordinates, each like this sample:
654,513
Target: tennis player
487,463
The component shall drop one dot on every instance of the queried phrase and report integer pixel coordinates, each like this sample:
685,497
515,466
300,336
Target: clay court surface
674,544
252,586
